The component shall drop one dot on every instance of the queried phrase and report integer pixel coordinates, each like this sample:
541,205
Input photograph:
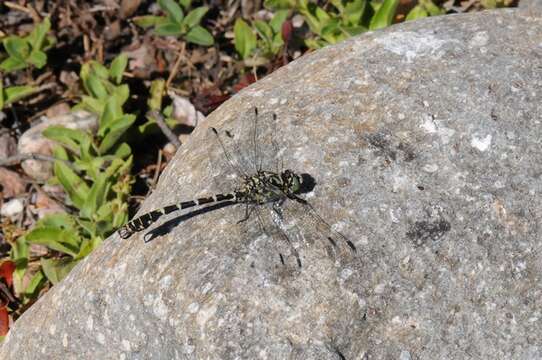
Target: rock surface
424,140
530,4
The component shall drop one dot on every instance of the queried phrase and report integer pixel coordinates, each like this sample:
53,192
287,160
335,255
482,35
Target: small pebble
12,208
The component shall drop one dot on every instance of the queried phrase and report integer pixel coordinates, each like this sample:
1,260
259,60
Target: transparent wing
315,226
270,226
250,146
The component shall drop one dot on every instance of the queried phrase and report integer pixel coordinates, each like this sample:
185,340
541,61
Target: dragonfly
264,193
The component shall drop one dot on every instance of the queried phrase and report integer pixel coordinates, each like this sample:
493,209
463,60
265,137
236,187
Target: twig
255,73
40,90
15,6
7,293
157,171
86,43
16,159
176,66
165,129
28,10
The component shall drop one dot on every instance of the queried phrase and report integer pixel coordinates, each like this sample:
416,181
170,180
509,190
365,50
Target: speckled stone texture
425,142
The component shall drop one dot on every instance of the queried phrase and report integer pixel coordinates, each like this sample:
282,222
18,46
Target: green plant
97,183
493,4
101,83
339,19
157,93
14,93
424,8
263,41
29,50
345,19
175,23
20,256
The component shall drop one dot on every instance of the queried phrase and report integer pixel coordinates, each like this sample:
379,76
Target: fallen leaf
6,271
4,321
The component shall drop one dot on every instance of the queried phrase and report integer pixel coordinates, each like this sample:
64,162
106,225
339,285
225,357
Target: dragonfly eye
292,181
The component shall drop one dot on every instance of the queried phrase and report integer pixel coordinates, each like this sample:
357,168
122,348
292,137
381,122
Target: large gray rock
424,140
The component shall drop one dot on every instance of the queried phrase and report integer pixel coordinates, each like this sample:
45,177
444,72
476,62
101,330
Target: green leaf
168,29
111,113
106,213
37,282
113,214
87,226
194,17
354,30
306,10
384,15
354,12
264,30
49,42
37,58
57,269
431,8
120,213
147,21
115,132
86,149
315,43
278,19
15,93
60,153
117,68
64,241
245,40
92,166
19,255
2,99
99,70
280,4
125,169
331,31
93,105
96,87
173,10
185,3
277,43
123,151
37,36
12,64
417,12
321,15
95,198
16,47
84,74
76,188
58,220
122,93
112,169
157,92
71,138
88,246
199,35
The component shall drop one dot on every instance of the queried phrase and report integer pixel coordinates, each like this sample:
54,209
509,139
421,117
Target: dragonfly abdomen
147,219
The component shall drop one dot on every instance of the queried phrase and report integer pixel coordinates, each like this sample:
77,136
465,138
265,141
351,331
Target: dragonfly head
296,184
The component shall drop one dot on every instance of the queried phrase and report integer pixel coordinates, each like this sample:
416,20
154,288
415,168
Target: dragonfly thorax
266,186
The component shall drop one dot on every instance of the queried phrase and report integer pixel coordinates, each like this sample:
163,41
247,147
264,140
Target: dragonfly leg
248,211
